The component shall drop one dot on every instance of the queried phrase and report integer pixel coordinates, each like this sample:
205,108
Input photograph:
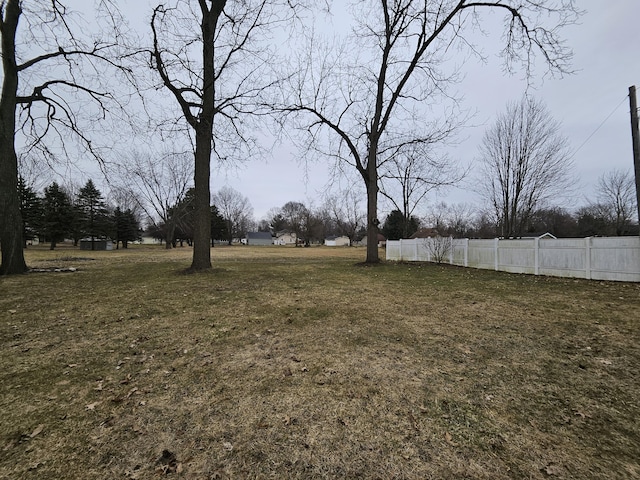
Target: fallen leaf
92,406
287,420
37,431
551,470
13,311
449,439
227,446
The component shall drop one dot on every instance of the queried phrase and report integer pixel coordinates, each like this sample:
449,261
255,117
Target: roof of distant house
425,233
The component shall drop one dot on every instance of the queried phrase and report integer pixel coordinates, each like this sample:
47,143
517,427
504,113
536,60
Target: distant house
148,240
259,238
285,238
382,240
334,241
426,233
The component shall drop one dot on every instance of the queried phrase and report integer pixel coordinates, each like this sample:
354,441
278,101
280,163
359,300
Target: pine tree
127,227
30,209
94,220
57,214
218,225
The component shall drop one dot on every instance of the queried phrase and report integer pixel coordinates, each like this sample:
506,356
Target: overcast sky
591,105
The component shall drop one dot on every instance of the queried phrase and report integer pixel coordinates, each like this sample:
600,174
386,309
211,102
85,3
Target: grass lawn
297,363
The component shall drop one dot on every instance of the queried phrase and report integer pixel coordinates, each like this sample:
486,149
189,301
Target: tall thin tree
525,164
365,100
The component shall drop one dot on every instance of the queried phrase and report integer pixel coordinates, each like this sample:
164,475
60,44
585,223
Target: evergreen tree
57,214
218,225
30,209
94,220
396,226
126,227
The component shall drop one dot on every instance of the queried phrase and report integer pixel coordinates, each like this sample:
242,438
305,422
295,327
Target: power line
624,99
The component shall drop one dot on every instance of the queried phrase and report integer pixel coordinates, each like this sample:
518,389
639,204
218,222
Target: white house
285,238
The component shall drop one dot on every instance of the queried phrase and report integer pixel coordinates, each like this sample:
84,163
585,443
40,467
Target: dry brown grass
295,363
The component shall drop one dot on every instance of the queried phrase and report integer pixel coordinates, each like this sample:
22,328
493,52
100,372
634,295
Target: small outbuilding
259,238
334,241
96,244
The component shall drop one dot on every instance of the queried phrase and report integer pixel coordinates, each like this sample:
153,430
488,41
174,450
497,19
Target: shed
259,238
334,241
97,244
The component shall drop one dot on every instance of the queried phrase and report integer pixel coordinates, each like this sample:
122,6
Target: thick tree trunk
202,227
371,182
10,217
204,133
372,221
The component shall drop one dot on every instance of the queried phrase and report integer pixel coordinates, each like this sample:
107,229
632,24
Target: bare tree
525,164
362,103
408,177
217,77
53,85
617,191
236,210
346,212
157,184
455,220
439,248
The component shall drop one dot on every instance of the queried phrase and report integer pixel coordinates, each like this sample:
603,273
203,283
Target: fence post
495,253
536,256
588,258
466,252
450,249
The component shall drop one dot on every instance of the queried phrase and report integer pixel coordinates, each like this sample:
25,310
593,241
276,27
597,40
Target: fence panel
598,258
563,257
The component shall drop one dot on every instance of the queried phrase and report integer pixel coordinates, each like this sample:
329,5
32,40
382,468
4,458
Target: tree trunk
202,227
204,133
371,181
372,222
10,217
169,233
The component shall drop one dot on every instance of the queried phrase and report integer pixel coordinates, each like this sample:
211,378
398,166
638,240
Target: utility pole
635,136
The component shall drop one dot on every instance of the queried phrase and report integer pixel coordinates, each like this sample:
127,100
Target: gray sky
591,105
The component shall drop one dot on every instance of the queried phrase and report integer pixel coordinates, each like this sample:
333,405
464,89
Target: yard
298,363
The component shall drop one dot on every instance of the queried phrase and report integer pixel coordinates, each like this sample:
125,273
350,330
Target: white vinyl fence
596,258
